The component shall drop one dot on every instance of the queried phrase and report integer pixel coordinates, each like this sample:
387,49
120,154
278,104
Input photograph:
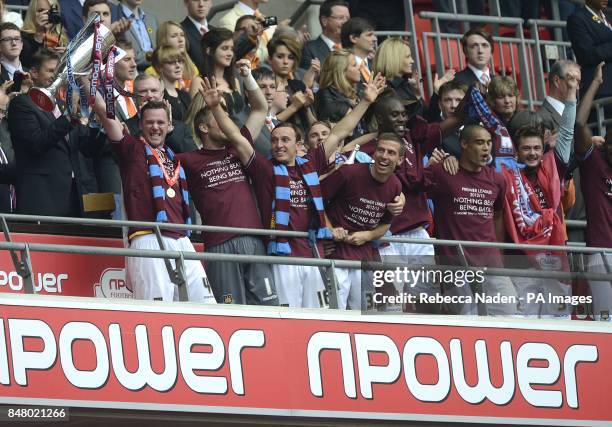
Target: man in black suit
11,45
591,35
554,104
46,149
8,171
195,26
332,15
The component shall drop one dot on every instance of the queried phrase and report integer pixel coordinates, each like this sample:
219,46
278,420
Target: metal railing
21,252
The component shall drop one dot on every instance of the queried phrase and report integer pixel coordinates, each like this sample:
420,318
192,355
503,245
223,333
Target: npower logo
43,282
112,284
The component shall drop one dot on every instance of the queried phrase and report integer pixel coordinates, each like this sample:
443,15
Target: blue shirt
140,27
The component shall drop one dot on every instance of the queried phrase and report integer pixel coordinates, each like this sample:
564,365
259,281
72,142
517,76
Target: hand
415,83
298,100
121,26
6,86
26,83
209,92
309,98
437,156
60,50
304,35
374,88
284,23
339,234
358,238
451,165
169,107
315,65
598,75
397,205
447,77
244,67
597,141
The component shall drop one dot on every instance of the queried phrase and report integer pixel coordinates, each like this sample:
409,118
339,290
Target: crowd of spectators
254,124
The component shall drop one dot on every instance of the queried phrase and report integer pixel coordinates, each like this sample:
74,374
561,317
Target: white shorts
297,285
149,277
601,291
349,289
528,288
408,249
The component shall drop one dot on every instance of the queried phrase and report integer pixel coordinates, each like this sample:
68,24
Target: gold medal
170,192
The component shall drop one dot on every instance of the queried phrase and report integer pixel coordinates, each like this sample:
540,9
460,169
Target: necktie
485,79
269,123
336,46
365,71
203,30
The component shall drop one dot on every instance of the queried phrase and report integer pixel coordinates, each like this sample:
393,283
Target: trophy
80,53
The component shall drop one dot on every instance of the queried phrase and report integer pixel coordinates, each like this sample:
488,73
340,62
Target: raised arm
582,133
257,100
112,127
228,127
563,146
346,126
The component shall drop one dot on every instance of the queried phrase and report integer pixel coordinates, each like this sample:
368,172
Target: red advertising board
269,361
69,274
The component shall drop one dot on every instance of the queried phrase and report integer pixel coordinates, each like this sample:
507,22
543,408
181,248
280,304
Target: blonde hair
389,57
333,73
29,22
501,86
162,39
197,104
164,53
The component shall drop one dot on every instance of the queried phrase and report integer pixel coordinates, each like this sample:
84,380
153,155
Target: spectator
172,34
46,149
125,73
357,36
218,49
148,88
142,29
8,16
478,48
11,44
169,62
144,169
38,32
103,8
8,171
195,26
358,195
394,61
337,86
223,197
591,35
249,7
596,183
296,177
317,134
503,97
451,95
332,15
460,215
284,56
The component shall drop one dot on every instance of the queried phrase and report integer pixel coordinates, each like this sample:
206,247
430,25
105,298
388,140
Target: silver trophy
80,50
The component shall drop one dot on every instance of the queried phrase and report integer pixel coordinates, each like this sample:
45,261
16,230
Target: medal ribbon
175,177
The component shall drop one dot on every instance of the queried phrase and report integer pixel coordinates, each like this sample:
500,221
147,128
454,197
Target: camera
54,16
269,21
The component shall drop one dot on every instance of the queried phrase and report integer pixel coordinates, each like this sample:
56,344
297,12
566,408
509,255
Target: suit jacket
8,170
131,35
592,44
46,161
316,48
179,140
194,39
466,76
72,19
548,113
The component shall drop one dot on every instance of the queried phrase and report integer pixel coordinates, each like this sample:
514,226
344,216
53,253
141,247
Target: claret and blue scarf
282,201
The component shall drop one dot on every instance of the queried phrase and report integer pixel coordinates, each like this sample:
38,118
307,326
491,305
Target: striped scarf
282,201
157,185
503,149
